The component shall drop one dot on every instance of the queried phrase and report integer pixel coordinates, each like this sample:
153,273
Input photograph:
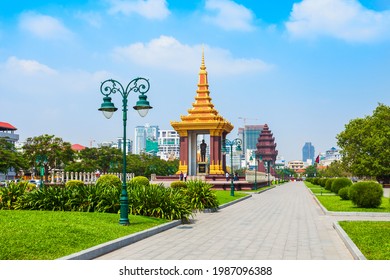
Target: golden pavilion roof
203,115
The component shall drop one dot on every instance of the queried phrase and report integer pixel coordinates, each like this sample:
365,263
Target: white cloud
92,18
168,53
150,9
229,15
27,67
43,26
344,19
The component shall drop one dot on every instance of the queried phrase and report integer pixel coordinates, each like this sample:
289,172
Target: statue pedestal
202,168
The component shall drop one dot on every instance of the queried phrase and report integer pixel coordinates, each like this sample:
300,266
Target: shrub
340,183
10,194
316,181
328,185
74,183
366,194
344,193
158,201
178,184
322,182
142,180
200,195
108,181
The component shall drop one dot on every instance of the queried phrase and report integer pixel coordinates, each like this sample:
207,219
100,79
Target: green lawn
372,238
317,189
225,197
334,203
46,235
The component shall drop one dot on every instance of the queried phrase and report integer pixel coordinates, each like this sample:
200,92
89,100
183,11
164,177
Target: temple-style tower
202,118
266,148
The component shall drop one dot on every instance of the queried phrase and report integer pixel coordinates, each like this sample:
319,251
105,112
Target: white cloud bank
168,53
150,9
343,19
43,26
229,15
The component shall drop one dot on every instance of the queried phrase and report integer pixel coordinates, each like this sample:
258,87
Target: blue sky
303,67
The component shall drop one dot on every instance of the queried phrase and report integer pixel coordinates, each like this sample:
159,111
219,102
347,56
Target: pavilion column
215,154
183,166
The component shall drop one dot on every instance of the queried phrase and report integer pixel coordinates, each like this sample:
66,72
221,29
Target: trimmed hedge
142,180
178,184
108,181
74,184
340,183
344,193
328,185
366,194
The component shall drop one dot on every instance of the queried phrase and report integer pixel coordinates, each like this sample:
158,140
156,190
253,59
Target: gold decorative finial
203,66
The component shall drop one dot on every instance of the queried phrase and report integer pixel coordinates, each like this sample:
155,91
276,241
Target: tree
54,150
335,169
311,171
104,159
365,145
9,157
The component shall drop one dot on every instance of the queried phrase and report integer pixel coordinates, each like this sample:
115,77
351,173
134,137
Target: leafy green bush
340,183
178,184
142,180
366,194
10,194
316,181
108,181
158,201
74,183
328,184
322,182
200,195
344,193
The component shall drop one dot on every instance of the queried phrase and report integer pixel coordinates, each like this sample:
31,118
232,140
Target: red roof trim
6,126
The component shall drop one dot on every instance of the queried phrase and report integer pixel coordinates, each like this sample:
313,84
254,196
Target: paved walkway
282,223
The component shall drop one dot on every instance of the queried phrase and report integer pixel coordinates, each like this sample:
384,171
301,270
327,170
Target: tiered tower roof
266,146
203,115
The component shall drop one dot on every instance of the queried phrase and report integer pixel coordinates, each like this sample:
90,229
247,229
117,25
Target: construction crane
245,119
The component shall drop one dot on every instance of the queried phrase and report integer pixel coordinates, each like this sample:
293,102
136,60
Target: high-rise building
168,144
145,139
308,152
249,135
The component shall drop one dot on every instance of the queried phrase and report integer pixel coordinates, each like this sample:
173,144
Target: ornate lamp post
41,161
230,143
108,87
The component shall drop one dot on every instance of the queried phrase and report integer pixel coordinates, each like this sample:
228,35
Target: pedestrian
181,175
227,176
235,177
185,176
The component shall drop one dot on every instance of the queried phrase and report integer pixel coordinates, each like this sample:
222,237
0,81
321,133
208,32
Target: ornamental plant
344,193
328,185
178,184
340,183
74,183
108,181
142,180
366,194
200,195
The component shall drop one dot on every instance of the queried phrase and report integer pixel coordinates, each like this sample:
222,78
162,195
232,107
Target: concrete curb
101,249
356,253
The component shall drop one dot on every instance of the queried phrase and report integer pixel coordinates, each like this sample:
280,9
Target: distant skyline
305,68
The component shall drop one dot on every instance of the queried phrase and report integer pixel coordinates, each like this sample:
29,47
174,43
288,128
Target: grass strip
47,235
371,237
334,203
225,197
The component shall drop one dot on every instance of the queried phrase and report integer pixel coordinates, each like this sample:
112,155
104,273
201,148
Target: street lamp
41,161
257,158
108,87
227,143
